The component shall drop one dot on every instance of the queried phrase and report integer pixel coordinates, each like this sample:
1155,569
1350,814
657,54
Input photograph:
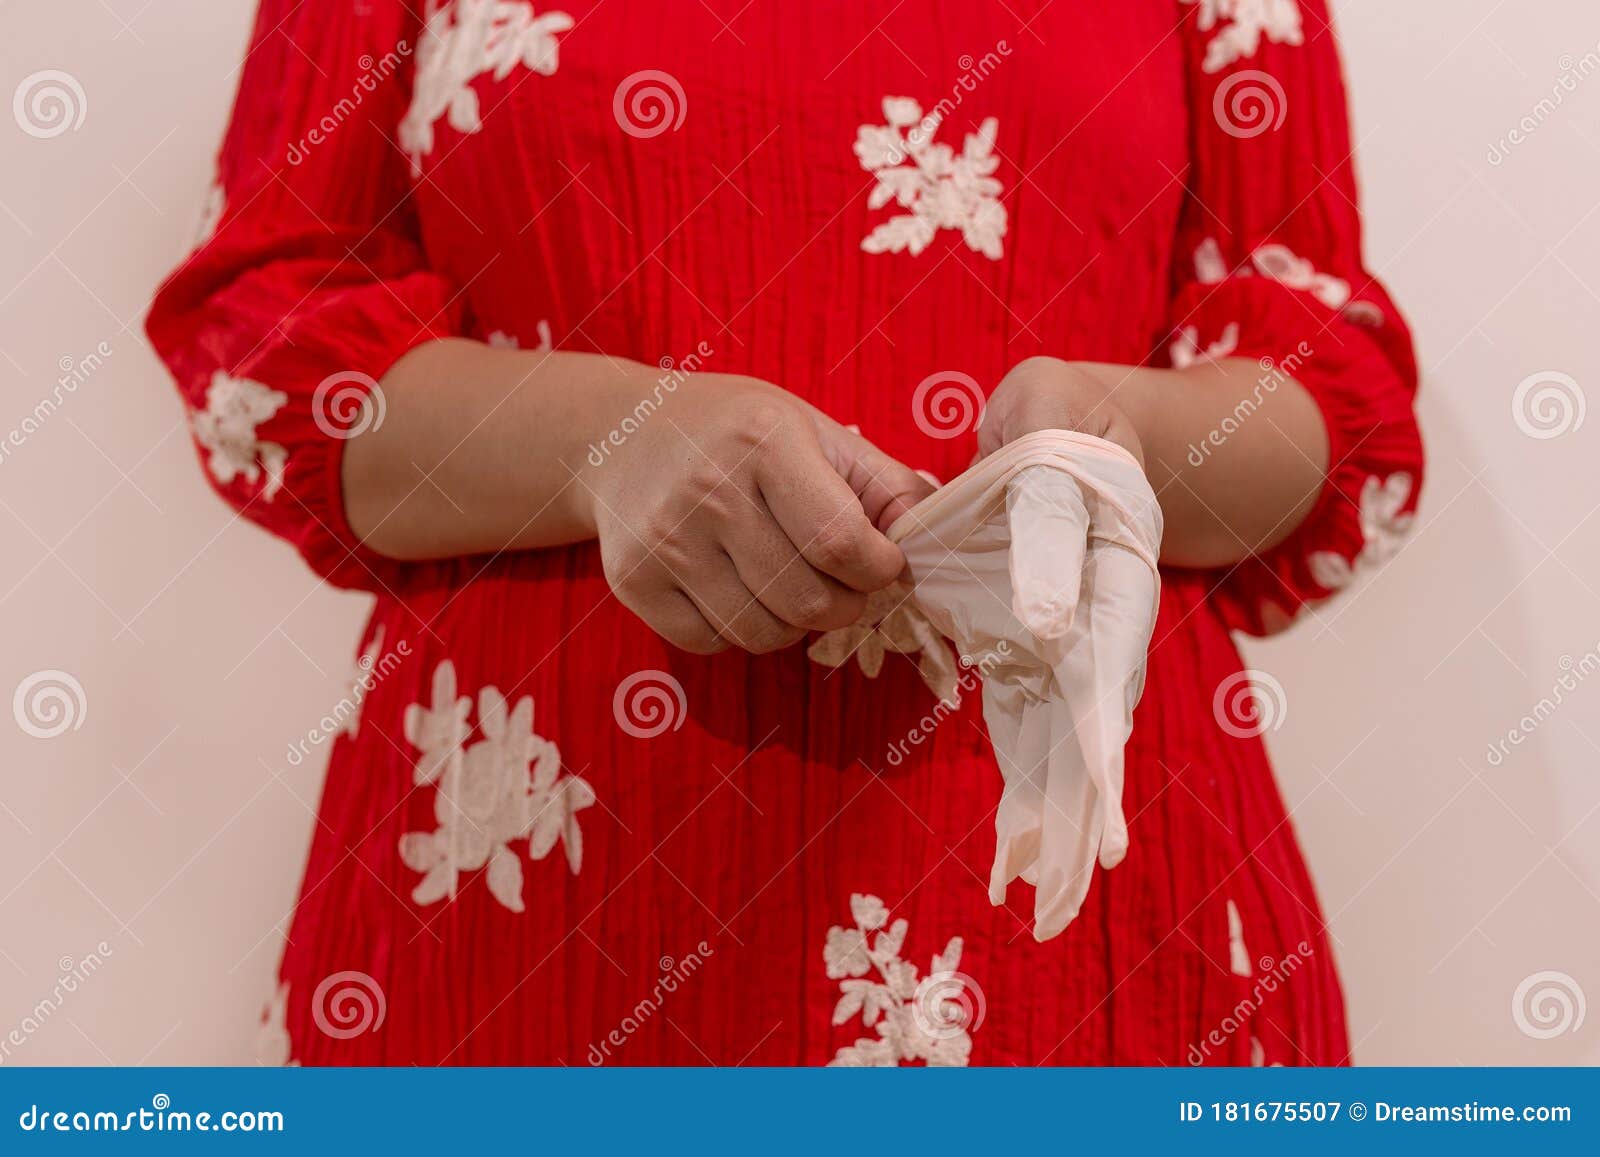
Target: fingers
672,615
886,487
1074,819
823,517
772,569
734,612
1049,534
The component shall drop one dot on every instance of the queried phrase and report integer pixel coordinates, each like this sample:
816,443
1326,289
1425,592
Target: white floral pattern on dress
502,340
227,430
941,189
507,786
1210,268
1383,530
926,1020
463,40
1238,954
272,1038
1245,22
892,622
1186,352
1282,265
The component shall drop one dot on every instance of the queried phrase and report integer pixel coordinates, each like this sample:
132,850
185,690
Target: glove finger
1049,533
1073,822
1019,736
1119,596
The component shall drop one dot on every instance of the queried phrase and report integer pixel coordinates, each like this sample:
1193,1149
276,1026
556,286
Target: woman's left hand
1044,393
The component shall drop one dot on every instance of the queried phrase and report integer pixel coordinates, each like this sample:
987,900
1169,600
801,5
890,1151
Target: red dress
545,836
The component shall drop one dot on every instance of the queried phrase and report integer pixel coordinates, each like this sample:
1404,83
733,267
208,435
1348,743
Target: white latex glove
1040,563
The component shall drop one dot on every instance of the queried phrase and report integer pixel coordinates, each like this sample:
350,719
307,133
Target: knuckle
837,544
763,419
820,609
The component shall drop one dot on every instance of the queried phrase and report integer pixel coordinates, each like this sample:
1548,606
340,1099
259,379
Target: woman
654,314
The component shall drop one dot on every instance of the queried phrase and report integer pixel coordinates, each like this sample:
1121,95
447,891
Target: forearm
1236,453
483,449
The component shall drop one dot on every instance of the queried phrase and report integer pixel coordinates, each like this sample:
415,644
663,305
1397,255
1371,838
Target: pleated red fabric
549,838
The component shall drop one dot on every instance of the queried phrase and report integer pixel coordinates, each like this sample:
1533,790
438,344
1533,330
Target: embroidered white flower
1280,263
892,621
1238,954
1258,1056
500,339
942,190
1383,531
927,1020
272,1038
1246,22
461,41
1209,266
507,786
1185,350
227,429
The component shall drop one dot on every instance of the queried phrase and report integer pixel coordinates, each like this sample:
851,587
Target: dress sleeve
1270,268
313,281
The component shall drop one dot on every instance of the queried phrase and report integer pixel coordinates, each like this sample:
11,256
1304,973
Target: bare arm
728,511
1237,455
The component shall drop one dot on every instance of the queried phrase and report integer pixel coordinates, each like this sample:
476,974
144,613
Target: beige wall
169,827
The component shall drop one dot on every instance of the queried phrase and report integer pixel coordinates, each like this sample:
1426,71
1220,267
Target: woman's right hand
734,514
